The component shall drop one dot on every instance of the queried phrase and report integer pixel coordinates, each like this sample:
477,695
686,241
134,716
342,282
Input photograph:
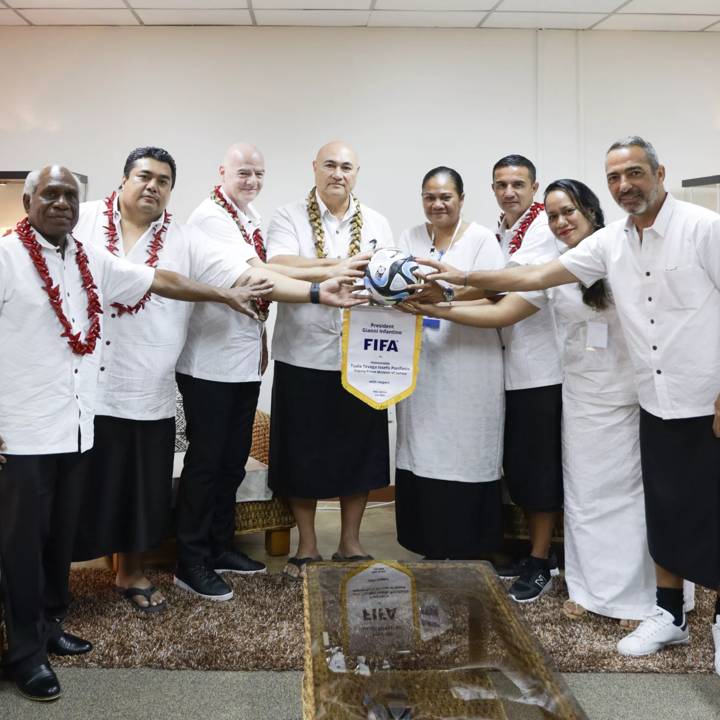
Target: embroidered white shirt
667,294
223,345
309,335
139,351
532,357
47,393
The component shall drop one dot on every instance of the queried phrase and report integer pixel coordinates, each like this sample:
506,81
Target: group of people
595,398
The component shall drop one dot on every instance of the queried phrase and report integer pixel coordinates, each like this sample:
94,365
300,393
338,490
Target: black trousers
219,419
40,500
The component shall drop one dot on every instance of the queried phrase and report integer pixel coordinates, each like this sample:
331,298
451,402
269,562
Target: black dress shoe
68,644
39,683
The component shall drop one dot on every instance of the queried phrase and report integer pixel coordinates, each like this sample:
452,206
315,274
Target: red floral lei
27,237
156,245
262,306
530,214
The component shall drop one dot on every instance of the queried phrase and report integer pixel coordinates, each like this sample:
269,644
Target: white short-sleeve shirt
140,351
48,393
532,356
309,335
223,345
667,293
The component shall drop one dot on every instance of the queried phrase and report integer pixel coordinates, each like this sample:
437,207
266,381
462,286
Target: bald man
324,443
219,374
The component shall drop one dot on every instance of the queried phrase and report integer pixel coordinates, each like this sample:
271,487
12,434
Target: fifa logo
381,344
379,271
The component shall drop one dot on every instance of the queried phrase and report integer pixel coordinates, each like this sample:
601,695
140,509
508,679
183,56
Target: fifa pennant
380,354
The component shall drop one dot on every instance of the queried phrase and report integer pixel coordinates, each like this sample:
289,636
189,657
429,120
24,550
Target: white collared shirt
667,295
47,393
532,356
139,351
223,345
309,335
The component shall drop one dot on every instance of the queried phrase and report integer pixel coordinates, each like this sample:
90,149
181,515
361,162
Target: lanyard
434,250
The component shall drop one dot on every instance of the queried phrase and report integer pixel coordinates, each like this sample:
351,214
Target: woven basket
499,639
272,514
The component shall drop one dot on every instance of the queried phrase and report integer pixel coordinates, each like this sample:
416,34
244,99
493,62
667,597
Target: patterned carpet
261,628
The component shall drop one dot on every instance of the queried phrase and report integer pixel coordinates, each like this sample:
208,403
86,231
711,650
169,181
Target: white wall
406,99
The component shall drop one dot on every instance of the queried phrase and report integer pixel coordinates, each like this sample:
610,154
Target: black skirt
681,475
128,497
443,519
532,456
324,442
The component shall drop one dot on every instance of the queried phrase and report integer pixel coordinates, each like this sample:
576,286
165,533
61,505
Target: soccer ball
388,274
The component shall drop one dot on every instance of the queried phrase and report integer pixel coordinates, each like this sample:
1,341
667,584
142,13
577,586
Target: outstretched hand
241,295
339,292
353,266
445,272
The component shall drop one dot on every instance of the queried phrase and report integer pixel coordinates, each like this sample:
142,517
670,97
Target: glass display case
703,191
11,191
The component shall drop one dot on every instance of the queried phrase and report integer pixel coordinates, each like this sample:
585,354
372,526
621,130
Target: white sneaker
654,632
716,639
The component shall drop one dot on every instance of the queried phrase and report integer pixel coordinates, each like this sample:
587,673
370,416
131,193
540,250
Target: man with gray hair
52,289
663,263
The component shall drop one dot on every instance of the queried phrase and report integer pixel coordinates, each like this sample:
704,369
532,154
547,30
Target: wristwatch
315,293
448,293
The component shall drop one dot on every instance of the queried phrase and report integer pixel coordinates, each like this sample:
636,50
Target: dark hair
586,201
155,153
443,170
515,161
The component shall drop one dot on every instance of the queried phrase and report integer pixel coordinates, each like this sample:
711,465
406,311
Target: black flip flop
337,557
130,593
295,566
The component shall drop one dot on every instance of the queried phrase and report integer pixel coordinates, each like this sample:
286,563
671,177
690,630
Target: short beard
646,204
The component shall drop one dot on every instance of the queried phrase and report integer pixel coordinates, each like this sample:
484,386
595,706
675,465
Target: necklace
261,305
530,214
315,218
256,240
27,237
156,245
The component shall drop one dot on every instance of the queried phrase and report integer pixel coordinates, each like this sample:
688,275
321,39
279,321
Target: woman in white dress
449,432
608,568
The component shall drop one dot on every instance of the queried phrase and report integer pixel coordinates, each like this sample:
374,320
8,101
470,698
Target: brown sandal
573,610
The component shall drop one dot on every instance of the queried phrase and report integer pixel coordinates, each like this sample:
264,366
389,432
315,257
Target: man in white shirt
324,442
128,504
220,369
663,263
52,288
532,464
